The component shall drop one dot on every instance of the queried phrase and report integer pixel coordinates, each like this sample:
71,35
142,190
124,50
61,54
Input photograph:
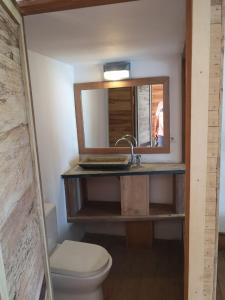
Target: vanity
118,118
134,202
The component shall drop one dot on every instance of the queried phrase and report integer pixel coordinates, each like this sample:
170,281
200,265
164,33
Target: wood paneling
121,114
31,7
21,222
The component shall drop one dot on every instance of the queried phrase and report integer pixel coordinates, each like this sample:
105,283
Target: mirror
107,111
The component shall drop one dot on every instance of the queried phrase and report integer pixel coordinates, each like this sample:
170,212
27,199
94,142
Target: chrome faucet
137,157
129,136
123,139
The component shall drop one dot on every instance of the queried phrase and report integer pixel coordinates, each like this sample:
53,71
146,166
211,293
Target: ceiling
134,30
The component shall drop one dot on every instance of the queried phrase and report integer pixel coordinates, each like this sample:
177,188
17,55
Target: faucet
131,147
135,144
129,136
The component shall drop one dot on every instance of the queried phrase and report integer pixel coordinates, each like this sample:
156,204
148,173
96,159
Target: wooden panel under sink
134,195
135,202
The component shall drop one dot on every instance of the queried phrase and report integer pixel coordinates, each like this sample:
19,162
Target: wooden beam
32,7
221,241
187,138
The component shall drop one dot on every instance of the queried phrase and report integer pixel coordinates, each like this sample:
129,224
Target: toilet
77,269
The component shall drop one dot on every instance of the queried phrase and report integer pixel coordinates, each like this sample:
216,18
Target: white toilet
78,269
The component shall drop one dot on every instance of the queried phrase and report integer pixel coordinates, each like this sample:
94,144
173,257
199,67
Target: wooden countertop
144,169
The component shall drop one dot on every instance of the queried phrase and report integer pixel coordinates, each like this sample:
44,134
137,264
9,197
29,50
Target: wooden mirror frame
119,84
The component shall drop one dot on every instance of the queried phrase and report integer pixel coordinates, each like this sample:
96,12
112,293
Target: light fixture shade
117,71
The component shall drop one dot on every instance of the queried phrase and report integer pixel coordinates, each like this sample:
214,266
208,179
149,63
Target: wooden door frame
187,138
197,148
188,124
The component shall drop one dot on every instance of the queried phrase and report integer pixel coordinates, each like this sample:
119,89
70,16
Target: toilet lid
79,259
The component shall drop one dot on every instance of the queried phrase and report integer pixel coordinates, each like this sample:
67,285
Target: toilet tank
51,226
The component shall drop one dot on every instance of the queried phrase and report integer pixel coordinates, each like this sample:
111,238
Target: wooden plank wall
215,82
20,232
121,114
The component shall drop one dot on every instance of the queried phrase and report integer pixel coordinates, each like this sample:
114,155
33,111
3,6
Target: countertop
144,169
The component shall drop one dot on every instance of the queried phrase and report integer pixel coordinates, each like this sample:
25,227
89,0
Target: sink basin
105,163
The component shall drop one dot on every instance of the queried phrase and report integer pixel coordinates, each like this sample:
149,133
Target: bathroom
121,213
66,48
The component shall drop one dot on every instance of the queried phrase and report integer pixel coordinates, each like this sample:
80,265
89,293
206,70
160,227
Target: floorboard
145,274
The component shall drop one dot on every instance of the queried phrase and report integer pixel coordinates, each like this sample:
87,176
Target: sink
105,163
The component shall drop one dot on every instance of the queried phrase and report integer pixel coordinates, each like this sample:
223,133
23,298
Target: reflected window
159,125
157,115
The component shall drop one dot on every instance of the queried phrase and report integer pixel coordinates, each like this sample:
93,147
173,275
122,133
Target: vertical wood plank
134,195
222,242
71,193
198,150
214,124
121,114
135,202
187,139
174,192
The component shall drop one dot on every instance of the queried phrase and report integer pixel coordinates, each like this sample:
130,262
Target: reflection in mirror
95,117
109,114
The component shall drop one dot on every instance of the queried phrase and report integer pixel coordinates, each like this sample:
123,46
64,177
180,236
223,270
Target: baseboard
222,241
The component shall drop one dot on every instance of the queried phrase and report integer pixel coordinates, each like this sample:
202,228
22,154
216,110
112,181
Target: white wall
52,88
95,117
222,167
166,66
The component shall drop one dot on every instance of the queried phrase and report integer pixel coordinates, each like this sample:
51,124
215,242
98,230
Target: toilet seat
78,259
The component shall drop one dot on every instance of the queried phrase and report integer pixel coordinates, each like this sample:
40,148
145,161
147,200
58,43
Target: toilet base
93,295
80,288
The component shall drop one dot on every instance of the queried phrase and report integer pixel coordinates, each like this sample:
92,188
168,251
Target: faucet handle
138,159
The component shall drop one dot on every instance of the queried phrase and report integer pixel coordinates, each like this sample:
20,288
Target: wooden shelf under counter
132,195
98,211
124,196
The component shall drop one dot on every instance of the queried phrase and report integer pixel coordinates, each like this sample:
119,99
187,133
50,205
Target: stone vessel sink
105,163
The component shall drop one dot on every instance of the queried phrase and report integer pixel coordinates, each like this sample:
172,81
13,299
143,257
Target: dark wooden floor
221,276
142,274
